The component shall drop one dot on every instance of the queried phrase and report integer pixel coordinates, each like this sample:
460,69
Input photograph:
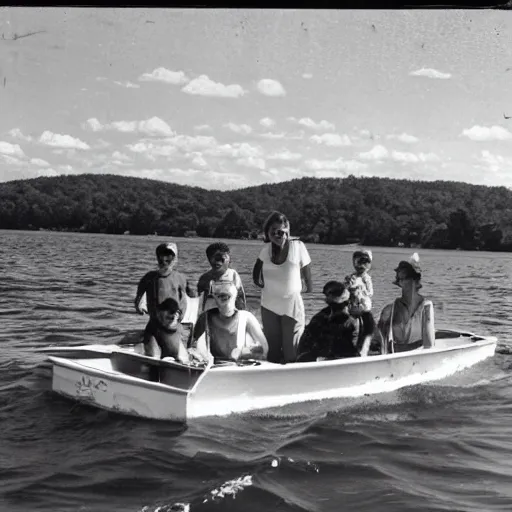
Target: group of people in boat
226,330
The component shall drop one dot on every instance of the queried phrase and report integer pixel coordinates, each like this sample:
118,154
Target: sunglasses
279,232
220,257
222,296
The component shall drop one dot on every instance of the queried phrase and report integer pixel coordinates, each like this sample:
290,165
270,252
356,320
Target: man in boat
163,336
159,285
333,332
408,322
227,333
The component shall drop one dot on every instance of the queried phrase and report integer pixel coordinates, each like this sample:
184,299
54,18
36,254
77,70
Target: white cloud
171,146
238,150
430,73
495,163
165,75
199,161
203,128
250,161
399,156
267,122
331,139
285,155
92,124
376,153
272,135
154,127
404,137
484,133
339,165
270,87
128,85
239,128
117,155
57,140
6,148
307,76
39,162
151,150
309,123
17,134
8,159
204,86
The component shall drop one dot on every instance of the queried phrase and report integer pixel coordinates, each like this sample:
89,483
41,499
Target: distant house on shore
190,234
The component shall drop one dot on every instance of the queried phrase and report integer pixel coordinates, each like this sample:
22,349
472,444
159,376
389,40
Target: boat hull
172,393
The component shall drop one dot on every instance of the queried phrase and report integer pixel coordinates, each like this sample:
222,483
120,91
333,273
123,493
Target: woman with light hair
279,271
227,333
408,322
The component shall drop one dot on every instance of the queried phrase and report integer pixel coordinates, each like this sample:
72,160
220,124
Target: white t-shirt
283,283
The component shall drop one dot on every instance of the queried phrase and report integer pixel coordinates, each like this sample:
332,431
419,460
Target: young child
219,256
159,285
163,336
360,285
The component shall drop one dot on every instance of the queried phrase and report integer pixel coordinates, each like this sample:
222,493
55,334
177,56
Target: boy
163,334
360,286
219,256
333,332
159,285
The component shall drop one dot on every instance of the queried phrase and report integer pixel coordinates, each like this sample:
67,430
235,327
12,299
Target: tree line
371,211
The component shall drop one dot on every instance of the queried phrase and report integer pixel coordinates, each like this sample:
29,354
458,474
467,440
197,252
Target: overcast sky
232,98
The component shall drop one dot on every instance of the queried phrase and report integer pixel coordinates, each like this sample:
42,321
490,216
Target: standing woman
408,322
279,270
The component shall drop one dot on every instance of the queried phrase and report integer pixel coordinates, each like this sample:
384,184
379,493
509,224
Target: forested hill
373,211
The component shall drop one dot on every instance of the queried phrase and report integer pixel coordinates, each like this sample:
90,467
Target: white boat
121,380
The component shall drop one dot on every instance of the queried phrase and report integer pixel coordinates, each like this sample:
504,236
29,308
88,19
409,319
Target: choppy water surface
443,446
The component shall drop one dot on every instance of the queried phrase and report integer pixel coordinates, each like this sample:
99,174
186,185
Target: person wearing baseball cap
158,285
408,322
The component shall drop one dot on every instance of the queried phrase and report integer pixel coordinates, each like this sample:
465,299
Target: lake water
442,446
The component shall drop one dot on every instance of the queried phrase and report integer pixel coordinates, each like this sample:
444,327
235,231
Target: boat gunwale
77,365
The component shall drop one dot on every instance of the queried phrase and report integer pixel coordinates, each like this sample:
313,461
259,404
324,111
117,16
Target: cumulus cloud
273,135
267,122
309,123
270,87
204,86
484,133
120,157
199,160
154,127
6,148
404,137
172,145
376,153
238,150
337,165
307,76
39,162
17,134
405,157
495,163
239,128
331,139
57,140
92,124
165,75
128,85
430,73
285,155
203,128
256,163
11,160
